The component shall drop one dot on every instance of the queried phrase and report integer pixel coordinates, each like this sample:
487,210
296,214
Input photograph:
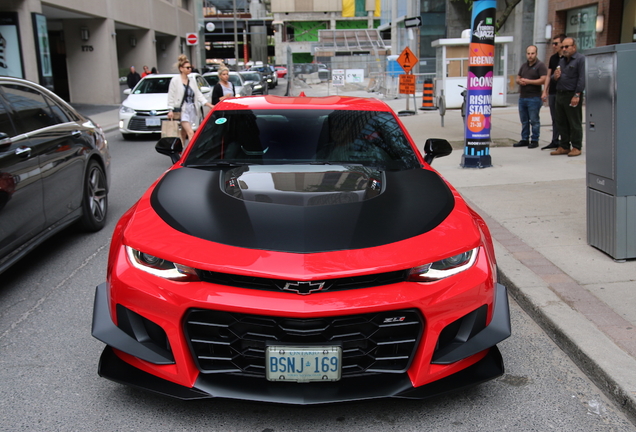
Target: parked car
147,104
270,76
240,88
256,81
54,169
314,257
281,71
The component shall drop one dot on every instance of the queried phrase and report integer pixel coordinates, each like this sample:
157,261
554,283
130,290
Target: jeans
529,116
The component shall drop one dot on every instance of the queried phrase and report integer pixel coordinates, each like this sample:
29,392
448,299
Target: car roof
290,102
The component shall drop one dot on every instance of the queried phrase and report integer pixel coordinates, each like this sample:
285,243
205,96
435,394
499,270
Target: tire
94,199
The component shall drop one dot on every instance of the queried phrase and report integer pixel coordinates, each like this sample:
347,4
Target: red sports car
281,71
301,250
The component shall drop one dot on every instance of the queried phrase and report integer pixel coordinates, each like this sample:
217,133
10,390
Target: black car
268,73
54,166
256,81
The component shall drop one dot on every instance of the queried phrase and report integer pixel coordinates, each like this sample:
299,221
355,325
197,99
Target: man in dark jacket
570,77
133,78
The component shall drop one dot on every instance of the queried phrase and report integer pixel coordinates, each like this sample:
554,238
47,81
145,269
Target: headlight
160,267
444,268
124,109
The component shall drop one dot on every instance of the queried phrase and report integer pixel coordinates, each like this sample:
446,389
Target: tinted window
367,138
153,85
5,121
31,109
60,114
251,76
211,79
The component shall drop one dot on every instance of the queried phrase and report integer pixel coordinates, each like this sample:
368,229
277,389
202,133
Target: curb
580,339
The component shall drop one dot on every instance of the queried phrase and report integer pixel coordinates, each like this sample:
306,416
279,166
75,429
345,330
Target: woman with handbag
224,89
185,99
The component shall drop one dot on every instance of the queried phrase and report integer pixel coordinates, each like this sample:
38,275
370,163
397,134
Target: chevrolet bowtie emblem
303,288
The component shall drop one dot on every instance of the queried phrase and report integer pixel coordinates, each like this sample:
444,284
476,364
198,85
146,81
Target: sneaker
522,143
574,152
560,151
550,146
533,144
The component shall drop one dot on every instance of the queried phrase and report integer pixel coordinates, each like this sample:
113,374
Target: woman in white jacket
184,96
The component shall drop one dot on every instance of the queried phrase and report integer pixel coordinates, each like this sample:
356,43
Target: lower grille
223,342
139,124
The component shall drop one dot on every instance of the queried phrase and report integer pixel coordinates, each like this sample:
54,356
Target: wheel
95,198
127,136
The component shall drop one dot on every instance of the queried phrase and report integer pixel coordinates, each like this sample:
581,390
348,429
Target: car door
21,203
206,90
60,142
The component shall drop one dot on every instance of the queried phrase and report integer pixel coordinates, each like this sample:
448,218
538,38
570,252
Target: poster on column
481,58
10,51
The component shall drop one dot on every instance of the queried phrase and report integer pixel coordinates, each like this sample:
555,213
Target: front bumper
480,347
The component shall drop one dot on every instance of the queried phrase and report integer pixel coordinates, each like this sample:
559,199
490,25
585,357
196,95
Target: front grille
339,284
139,124
224,342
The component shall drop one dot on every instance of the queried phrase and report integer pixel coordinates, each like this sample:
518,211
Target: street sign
407,84
413,22
407,60
192,38
338,77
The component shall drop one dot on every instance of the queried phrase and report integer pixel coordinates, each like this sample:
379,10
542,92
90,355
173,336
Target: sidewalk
535,206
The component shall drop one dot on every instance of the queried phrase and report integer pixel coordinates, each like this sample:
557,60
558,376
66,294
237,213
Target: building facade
81,48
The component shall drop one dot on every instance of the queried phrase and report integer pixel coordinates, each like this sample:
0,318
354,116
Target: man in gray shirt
530,78
570,77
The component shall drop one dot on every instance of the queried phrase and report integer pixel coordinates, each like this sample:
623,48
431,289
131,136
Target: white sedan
147,104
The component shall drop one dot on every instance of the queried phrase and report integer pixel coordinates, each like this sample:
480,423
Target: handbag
170,128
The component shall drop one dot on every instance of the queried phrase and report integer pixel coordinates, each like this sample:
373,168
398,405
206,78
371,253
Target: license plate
153,121
303,364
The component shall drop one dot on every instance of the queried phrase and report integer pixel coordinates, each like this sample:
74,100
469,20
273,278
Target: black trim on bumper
106,331
256,389
498,330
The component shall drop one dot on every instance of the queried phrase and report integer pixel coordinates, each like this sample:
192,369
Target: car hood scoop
302,209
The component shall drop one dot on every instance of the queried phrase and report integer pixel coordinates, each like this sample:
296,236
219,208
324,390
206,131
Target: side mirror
436,147
170,146
127,91
204,89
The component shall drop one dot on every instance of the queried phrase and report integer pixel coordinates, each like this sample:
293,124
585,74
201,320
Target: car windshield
251,76
153,85
262,69
287,136
213,79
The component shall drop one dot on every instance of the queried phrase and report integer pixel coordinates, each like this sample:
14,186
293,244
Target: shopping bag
169,128
176,114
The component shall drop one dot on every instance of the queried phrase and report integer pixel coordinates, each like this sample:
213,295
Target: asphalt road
48,359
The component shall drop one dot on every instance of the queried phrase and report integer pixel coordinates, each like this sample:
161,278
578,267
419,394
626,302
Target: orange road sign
407,84
407,60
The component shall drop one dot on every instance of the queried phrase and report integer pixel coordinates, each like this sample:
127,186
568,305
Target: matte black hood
302,209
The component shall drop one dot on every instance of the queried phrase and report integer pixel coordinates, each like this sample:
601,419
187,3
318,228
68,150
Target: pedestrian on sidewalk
570,77
133,78
531,77
185,98
146,71
549,91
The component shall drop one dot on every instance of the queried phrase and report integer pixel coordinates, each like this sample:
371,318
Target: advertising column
481,58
